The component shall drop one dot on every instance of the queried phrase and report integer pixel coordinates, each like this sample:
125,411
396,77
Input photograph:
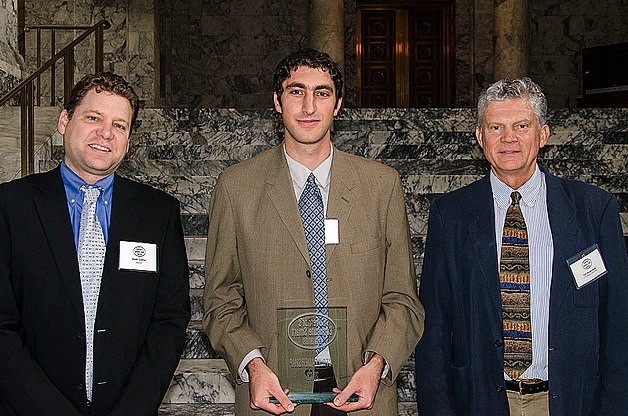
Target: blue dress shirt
72,184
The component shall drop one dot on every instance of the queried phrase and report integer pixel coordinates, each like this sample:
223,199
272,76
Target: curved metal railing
26,87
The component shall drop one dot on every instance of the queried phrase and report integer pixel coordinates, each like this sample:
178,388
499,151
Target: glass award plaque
296,344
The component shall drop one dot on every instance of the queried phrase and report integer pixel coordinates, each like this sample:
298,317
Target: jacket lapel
340,196
281,193
566,238
51,205
482,232
124,219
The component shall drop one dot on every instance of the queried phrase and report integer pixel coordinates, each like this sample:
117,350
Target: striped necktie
91,257
313,218
514,276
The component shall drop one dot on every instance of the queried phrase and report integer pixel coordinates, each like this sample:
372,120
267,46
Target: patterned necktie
91,256
313,218
514,276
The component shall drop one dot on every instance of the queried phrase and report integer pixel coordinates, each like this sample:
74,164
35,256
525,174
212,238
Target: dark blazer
459,368
141,316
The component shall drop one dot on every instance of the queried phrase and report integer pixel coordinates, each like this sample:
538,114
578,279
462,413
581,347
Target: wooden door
404,54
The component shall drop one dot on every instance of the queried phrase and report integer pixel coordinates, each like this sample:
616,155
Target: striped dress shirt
534,208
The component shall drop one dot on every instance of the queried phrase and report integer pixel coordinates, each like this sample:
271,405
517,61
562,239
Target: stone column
326,25
11,62
512,39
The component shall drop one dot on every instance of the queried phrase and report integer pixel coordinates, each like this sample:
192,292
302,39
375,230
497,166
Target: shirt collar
300,173
529,191
72,183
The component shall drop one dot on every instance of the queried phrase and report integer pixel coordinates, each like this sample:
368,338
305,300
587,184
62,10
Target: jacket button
80,387
308,274
81,335
499,343
500,389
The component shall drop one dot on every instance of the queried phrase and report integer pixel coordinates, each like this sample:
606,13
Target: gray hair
512,89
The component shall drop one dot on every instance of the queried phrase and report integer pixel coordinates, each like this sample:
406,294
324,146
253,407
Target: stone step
222,409
206,381
200,381
197,409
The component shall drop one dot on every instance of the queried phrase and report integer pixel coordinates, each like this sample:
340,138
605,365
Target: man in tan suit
257,256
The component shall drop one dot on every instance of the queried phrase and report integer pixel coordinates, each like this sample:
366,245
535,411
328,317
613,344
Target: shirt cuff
367,357
242,372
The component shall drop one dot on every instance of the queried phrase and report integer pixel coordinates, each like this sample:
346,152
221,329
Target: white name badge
587,266
332,236
138,256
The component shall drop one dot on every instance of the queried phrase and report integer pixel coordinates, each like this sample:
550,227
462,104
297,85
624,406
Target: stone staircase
434,150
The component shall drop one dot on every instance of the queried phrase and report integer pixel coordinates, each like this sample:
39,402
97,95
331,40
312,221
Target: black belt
527,386
323,372
324,381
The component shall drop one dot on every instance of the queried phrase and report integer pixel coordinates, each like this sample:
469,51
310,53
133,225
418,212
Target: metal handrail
27,101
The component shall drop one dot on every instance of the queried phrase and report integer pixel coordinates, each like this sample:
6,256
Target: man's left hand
363,384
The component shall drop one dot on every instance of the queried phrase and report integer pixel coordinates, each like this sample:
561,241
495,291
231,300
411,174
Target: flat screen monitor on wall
605,68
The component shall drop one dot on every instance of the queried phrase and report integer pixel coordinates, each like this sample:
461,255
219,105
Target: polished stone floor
45,126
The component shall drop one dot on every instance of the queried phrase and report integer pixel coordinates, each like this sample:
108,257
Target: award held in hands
297,333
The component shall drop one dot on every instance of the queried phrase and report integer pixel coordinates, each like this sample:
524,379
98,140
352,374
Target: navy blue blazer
141,317
459,360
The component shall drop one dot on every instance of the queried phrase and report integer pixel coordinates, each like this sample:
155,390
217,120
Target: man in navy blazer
578,315
56,358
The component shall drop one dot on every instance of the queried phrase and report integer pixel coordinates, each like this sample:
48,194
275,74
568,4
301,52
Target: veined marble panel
183,151
201,381
199,409
197,344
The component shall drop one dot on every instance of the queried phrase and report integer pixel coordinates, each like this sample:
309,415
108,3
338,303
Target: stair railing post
68,74
27,144
53,72
98,53
38,64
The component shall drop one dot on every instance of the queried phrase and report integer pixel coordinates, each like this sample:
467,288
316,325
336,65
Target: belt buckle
527,382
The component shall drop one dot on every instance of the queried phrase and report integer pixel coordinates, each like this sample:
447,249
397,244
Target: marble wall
219,54
10,60
223,53
182,151
229,75
129,47
559,30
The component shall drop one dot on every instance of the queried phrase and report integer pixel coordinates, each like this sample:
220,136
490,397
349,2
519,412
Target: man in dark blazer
257,255
578,317
48,346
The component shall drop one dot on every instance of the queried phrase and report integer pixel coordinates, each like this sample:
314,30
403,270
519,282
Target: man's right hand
264,384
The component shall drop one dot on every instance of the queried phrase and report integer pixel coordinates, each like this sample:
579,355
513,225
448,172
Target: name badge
138,256
587,266
332,236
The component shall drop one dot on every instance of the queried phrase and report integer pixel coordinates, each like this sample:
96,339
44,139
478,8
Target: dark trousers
326,383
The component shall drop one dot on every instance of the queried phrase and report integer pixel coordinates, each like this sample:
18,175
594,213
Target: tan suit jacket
257,261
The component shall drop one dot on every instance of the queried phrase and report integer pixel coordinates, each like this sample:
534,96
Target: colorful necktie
514,276
91,257
313,218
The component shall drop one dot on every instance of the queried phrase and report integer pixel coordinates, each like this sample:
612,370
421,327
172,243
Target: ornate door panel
404,54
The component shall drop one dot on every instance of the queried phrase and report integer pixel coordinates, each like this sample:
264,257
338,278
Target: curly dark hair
103,81
311,58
